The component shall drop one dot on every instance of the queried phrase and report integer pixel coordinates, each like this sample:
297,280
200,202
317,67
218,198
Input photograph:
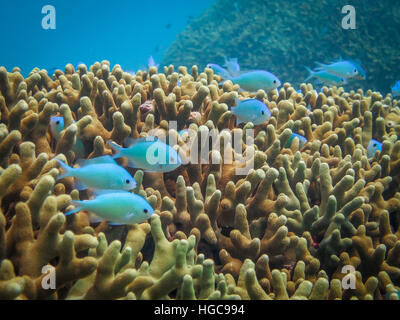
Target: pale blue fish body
117,207
373,147
344,69
149,154
325,77
396,89
56,126
362,75
218,70
232,66
254,80
99,173
302,140
251,110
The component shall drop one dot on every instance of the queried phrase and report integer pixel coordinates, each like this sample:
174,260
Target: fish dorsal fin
237,101
98,160
129,142
100,192
246,100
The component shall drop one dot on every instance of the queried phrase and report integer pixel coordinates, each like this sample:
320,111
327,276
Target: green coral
280,38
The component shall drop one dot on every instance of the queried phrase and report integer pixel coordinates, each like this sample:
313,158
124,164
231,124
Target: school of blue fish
113,184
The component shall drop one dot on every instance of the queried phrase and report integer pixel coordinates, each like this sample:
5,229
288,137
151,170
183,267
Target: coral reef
285,36
285,229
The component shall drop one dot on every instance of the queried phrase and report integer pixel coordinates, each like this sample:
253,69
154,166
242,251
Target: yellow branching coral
284,229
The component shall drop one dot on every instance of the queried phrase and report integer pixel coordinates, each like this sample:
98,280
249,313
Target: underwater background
122,31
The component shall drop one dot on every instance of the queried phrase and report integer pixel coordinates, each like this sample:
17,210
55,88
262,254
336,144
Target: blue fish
396,89
325,77
302,140
149,154
56,126
343,69
252,81
99,173
373,147
118,207
251,110
362,75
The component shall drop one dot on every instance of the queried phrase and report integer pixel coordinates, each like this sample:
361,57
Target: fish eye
389,124
374,145
262,112
127,181
274,81
145,210
355,70
57,122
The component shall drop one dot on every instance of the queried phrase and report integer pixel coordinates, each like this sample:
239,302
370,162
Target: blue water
121,31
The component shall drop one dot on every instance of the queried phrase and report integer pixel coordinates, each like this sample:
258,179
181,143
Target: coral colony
286,36
304,206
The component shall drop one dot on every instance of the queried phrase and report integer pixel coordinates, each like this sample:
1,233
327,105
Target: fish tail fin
78,208
68,170
116,148
310,74
321,65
